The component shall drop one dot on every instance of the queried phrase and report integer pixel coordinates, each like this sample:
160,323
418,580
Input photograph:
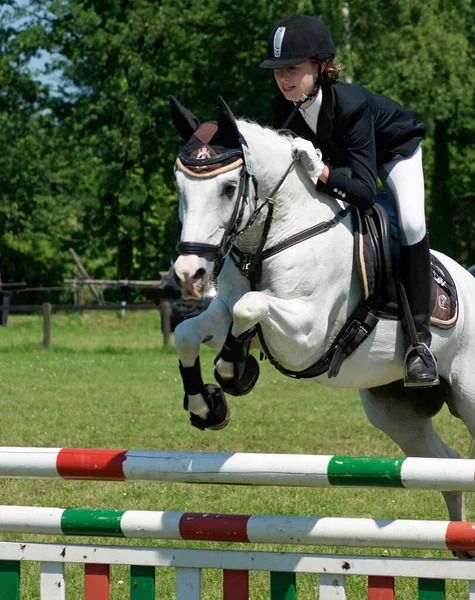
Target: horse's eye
229,190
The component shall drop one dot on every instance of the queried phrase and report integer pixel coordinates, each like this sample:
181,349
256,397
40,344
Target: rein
268,201
250,264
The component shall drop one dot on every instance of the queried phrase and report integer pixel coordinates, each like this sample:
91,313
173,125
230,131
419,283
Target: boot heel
420,367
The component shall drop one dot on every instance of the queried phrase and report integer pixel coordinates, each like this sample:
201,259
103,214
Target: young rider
347,137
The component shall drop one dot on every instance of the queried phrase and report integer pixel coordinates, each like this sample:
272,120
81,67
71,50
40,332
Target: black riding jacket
357,131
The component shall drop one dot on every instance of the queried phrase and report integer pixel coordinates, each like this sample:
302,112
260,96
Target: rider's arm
358,185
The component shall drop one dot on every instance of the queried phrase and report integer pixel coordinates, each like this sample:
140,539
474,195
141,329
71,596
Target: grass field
109,383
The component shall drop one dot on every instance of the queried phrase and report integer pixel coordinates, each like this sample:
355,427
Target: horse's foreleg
206,403
236,370
288,324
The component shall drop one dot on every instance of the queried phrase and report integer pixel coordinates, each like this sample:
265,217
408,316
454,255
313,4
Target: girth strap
351,337
356,329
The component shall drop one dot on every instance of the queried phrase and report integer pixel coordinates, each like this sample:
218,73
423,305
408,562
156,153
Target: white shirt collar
311,113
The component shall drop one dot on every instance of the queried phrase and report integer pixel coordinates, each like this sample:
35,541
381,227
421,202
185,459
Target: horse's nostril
200,273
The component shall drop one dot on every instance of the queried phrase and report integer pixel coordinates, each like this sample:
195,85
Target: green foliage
89,164
425,61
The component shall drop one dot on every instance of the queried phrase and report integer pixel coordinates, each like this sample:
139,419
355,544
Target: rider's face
295,81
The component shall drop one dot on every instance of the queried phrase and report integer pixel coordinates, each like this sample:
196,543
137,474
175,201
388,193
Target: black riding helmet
296,39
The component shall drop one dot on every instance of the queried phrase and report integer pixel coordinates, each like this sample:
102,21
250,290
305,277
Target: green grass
109,383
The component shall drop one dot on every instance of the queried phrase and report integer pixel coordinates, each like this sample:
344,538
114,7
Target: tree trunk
347,26
441,225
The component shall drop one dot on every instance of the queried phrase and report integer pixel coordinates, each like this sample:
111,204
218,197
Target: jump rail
257,529
238,468
232,468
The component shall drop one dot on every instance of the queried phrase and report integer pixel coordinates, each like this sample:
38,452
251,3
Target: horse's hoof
243,385
219,413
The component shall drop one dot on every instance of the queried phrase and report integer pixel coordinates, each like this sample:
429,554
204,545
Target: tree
424,61
123,60
30,217
101,147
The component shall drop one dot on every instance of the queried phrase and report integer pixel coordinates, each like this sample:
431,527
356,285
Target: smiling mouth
286,90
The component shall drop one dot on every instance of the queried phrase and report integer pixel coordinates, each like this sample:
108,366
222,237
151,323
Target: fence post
166,314
47,307
5,306
82,297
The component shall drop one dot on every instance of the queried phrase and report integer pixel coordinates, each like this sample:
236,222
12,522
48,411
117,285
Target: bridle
248,264
218,252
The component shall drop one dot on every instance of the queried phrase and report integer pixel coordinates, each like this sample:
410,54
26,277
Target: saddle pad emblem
442,301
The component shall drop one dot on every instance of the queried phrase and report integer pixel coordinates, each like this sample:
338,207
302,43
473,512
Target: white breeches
403,181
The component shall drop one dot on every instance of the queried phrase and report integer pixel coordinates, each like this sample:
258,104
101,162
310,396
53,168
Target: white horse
303,295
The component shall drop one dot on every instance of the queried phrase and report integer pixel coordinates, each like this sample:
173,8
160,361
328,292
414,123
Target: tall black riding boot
420,365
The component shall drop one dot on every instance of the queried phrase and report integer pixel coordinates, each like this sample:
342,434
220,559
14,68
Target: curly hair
332,71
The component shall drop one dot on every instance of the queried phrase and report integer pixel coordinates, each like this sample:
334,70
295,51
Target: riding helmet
296,39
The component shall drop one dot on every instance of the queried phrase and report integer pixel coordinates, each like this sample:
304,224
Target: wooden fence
48,310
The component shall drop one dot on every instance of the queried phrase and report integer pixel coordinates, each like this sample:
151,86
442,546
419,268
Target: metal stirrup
422,350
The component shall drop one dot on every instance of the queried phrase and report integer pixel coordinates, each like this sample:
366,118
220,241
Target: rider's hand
310,157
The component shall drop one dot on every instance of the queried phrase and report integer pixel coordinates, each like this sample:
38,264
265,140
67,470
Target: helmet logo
203,153
278,39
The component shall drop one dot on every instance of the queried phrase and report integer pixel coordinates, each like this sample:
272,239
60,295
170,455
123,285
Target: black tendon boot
420,365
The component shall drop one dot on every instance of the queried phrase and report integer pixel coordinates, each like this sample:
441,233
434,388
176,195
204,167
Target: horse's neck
298,207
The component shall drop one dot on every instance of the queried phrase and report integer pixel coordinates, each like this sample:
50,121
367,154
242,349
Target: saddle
376,259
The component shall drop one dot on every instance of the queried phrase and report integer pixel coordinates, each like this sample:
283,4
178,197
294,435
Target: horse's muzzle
192,273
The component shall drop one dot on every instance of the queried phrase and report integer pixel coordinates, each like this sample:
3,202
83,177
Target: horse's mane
264,136
271,154
274,150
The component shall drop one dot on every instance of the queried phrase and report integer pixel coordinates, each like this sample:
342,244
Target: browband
196,171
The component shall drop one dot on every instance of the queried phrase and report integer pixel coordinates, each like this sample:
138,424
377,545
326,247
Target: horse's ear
227,125
185,121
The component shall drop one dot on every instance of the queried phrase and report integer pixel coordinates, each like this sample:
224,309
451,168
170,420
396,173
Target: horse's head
213,174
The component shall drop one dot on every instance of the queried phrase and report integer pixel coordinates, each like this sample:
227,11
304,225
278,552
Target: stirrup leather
423,351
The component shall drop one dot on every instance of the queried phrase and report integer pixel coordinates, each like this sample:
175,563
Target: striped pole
238,468
259,529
